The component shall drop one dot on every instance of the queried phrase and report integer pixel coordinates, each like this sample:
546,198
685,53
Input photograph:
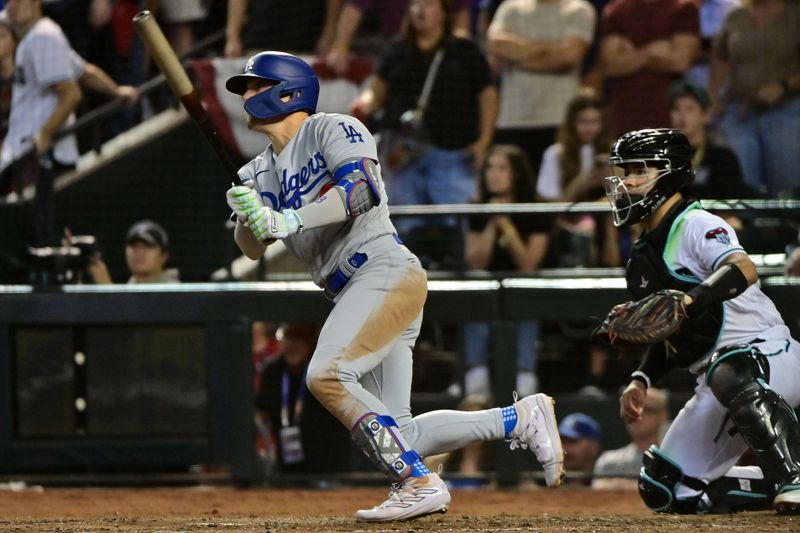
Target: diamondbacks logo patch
720,234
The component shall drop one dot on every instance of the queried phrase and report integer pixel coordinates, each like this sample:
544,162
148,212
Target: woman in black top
456,126
503,244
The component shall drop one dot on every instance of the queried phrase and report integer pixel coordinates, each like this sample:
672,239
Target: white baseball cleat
788,499
537,430
413,498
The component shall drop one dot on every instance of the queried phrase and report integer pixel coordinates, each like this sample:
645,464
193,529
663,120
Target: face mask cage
628,187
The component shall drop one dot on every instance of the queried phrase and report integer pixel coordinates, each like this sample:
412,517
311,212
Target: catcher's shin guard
379,438
738,378
659,479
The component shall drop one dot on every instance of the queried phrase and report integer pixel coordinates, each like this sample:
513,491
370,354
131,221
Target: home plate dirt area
268,510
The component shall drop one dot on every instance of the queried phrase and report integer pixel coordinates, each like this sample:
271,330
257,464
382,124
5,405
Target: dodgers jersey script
303,172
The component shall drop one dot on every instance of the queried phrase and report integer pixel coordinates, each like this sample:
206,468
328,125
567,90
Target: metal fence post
504,362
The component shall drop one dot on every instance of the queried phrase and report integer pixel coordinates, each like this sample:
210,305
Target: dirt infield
266,511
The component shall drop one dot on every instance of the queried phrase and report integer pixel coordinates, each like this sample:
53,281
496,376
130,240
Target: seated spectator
504,244
307,438
718,175
146,254
619,469
573,170
580,438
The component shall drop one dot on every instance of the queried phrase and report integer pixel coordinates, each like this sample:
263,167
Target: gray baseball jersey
363,354
303,172
43,57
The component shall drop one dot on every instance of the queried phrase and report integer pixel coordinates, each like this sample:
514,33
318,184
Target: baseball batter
318,187
733,338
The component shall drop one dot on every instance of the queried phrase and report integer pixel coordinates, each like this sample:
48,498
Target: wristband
641,376
294,223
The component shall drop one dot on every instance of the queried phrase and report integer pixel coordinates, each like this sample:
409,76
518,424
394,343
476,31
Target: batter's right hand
631,403
243,200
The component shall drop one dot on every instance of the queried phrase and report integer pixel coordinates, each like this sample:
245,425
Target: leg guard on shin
658,484
378,437
738,377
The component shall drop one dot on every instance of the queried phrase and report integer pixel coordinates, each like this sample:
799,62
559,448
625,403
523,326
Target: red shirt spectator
646,45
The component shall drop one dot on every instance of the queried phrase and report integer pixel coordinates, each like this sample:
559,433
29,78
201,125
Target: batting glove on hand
243,201
266,224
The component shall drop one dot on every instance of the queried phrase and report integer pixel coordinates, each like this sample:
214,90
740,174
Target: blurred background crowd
526,98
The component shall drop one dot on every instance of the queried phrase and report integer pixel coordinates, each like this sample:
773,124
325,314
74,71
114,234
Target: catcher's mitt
647,321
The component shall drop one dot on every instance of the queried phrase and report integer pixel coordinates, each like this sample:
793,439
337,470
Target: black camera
62,265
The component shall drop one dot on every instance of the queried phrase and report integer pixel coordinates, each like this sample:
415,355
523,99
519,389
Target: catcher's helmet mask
293,78
662,155
627,197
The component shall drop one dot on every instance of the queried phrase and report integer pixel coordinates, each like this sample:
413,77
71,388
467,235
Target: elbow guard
358,182
725,283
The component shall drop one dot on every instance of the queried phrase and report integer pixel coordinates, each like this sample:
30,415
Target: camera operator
71,263
146,254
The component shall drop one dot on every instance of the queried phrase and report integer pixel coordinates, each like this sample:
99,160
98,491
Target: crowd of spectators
511,73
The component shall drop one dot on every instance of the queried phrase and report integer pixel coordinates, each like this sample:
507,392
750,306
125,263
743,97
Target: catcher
698,305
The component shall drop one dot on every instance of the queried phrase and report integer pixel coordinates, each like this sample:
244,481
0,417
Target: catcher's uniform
686,248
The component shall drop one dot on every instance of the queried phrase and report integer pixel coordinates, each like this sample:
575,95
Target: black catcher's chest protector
647,273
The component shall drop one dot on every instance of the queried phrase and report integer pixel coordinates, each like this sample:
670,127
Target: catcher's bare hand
631,402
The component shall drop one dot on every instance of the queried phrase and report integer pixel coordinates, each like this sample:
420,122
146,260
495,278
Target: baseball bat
169,64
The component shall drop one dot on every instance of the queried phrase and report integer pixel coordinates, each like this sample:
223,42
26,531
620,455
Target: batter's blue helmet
295,78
